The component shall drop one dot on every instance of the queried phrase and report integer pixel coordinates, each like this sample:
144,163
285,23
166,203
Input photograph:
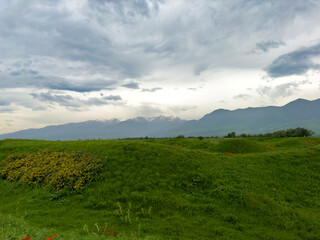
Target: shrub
54,169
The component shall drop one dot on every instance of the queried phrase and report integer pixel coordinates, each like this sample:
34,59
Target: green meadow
177,188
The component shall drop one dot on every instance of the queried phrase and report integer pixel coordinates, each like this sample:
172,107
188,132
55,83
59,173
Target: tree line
297,132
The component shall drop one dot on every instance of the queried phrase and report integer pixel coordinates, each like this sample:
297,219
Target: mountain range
298,113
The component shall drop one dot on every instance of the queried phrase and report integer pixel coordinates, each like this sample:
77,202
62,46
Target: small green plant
125,216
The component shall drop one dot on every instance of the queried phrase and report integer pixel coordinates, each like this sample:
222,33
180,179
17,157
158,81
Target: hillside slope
181,189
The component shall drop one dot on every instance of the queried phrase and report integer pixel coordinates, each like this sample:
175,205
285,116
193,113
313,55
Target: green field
179,188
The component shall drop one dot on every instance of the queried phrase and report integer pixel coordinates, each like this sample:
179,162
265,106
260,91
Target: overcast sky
67,61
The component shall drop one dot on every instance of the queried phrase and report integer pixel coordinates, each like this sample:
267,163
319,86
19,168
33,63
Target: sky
65,61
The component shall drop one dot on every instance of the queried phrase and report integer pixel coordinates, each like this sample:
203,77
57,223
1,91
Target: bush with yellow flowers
53,169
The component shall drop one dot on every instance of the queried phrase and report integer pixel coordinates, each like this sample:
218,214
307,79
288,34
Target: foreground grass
17,228
178,189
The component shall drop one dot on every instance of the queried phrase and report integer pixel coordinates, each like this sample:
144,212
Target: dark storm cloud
294,63
132,85
265,46
73,102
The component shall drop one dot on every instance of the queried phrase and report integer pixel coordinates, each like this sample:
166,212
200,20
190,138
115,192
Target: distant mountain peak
298,101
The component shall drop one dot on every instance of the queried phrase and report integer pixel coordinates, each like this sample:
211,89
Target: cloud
282,90
192,89
5,110
74,103
149,109
67,47
151,89
132,85
178,109
15,73
294,63
23,80
33,72
265,46
27,71
143,7
4,102
77,86
199,69
9,122
130,39
242,96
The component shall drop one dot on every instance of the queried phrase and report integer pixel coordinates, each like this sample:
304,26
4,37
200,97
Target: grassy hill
173,189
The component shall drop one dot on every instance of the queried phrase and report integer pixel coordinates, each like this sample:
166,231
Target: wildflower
27,238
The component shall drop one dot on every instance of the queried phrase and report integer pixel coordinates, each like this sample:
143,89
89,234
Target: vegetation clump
297,132
54,169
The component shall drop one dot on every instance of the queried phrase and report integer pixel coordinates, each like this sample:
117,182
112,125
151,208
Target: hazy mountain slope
138,127
298,113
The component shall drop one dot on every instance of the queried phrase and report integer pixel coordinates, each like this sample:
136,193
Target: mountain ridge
297,113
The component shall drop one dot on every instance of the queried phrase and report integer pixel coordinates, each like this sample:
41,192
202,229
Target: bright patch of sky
67,61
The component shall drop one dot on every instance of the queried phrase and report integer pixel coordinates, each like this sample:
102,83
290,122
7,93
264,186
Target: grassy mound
290,143
239,146
176,189
54,169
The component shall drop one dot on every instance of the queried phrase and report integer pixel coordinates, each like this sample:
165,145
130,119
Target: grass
175,189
